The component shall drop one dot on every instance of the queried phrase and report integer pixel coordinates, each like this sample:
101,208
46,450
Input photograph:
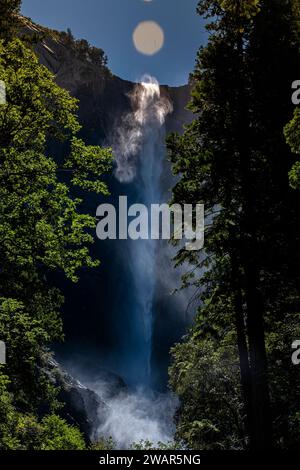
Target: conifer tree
233,158
8,17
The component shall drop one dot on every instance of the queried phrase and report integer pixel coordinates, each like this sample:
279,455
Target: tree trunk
260,401
260,416
242,345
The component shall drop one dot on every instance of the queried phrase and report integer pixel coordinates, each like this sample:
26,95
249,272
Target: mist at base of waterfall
132,413
140,415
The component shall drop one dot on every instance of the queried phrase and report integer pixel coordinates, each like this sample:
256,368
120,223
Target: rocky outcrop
103,97
82,407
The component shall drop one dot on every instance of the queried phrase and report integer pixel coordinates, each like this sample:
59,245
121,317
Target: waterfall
140,153
136,318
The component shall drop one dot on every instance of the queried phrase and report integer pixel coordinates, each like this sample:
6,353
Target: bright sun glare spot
148,37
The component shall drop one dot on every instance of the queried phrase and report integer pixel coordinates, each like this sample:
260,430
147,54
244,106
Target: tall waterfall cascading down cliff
139,145
130,318
136,311
140,154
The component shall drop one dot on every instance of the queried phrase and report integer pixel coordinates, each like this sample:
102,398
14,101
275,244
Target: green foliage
8,416
109,444
83,50
148,445
89,163
25,337
58,435
233,158
42,232
247,9
234,13
205,375
19,431
292,135
103,444
285,379
33,194
8,17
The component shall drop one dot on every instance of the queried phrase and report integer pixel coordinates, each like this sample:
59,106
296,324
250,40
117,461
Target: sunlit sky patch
125,30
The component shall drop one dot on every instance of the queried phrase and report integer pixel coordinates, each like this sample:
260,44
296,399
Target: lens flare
148,37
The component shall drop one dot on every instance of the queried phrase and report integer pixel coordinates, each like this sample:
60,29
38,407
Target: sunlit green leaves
43,232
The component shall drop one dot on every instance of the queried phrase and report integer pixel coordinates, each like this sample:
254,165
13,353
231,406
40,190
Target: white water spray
138,416
147,119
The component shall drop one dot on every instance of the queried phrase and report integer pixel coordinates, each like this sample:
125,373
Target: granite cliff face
102,96
82,406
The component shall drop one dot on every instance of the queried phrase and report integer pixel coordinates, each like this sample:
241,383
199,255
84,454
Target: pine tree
8,17
233,158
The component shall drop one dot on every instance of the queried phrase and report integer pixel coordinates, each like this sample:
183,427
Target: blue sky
109,24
